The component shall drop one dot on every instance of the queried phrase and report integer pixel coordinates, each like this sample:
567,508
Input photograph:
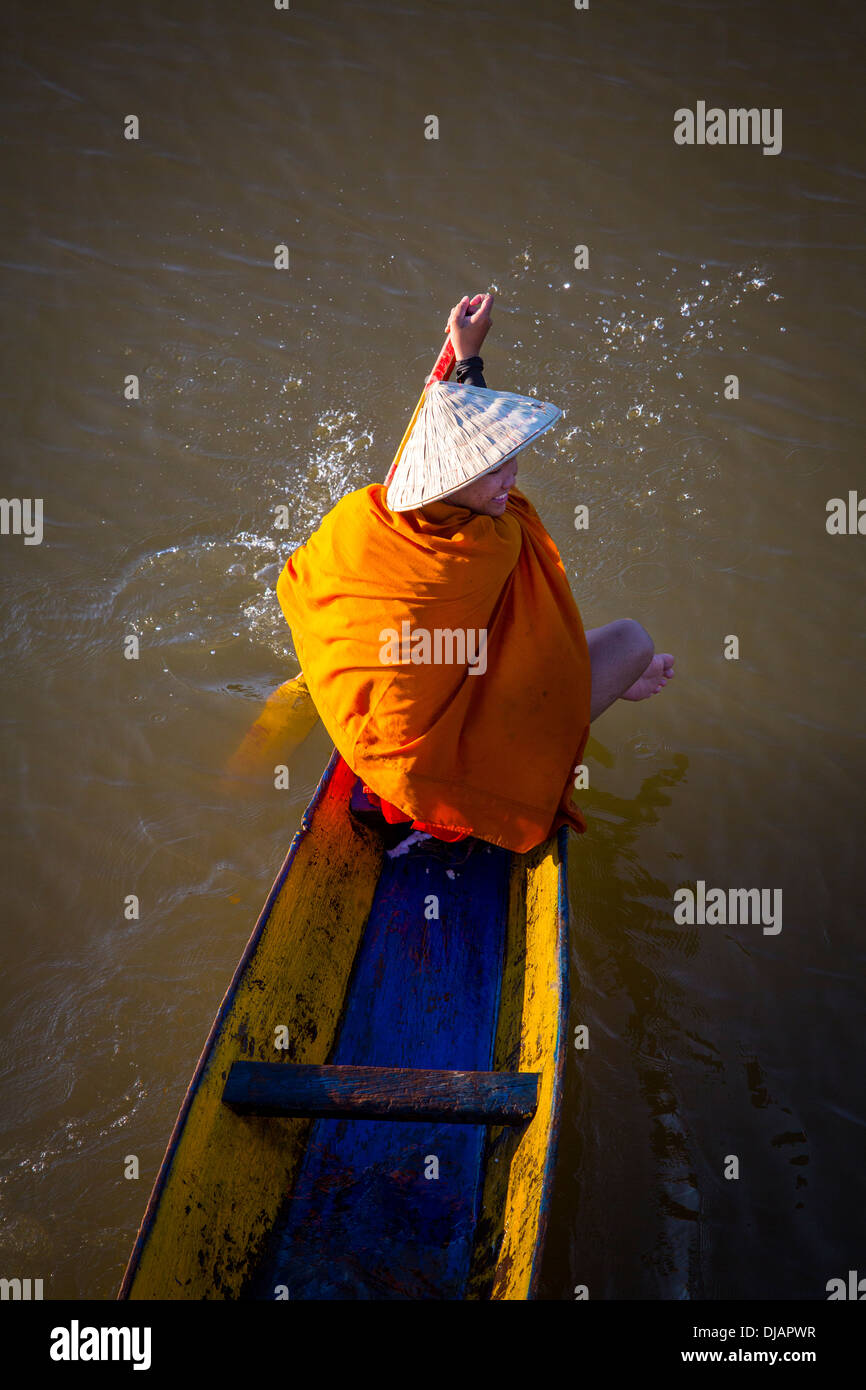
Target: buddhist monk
439,637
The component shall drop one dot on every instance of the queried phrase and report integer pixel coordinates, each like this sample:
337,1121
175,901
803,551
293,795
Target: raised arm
468,325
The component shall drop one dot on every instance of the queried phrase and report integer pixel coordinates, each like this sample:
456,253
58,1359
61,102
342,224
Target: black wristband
467,364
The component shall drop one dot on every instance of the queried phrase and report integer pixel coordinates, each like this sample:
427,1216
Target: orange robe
394,816
489,753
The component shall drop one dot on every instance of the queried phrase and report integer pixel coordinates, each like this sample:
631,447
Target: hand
468,324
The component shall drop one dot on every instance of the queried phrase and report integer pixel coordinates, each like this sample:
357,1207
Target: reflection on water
627,952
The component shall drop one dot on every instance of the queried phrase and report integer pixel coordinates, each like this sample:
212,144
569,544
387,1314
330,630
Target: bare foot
656,675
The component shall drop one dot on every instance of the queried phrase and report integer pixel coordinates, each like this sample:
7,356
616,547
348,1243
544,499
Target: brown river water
261,387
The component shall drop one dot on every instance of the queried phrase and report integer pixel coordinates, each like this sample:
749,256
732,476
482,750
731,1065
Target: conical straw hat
460,433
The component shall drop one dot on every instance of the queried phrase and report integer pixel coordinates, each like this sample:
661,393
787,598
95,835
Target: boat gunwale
220,1017
560,1055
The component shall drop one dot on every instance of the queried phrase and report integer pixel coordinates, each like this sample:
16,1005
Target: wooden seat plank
382,1093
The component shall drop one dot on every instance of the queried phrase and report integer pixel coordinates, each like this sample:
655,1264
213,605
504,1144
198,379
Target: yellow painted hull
225,1176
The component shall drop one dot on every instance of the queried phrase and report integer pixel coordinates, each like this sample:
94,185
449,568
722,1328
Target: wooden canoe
375,1112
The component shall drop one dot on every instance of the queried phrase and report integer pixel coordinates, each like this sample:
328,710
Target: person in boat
438,635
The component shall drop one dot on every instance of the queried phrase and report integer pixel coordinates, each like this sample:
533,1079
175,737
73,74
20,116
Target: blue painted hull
442,961
384,1209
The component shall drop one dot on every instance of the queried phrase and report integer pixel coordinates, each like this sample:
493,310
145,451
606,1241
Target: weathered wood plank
382,1093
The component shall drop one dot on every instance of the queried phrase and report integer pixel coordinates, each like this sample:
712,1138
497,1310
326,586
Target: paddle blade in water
287,718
